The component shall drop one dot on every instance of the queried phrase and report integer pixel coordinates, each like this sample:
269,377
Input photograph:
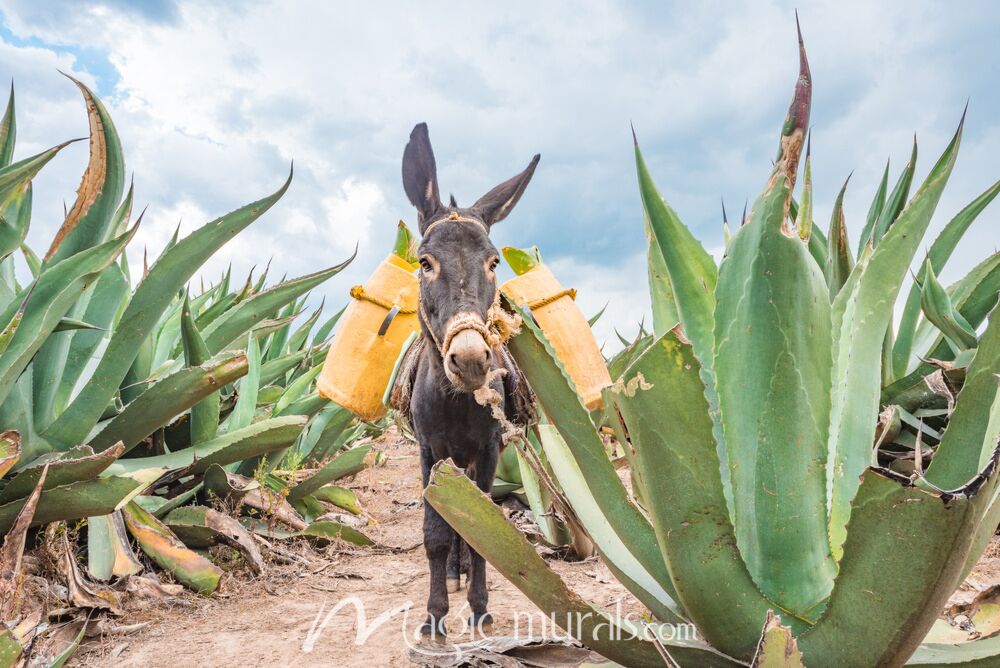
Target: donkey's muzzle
467,360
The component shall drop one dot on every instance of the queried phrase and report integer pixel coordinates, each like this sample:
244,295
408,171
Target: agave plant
124,404
773,495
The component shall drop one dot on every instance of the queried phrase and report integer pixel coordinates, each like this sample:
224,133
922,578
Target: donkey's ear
497,203
420,174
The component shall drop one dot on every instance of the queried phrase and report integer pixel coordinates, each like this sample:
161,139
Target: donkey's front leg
478,596
437,543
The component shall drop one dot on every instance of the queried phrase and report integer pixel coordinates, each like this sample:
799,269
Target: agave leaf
247,391
18,174
599,525
51,295
620,531
104,303
861,315
298,339
296,389
940,311
896,201
168,398
323,331
257,439
972,431
334,436
691,269
878,203
205,413
109,553
938,255
693,276
150,300
8,131
661,292
840,262
278,335
162,546
981,653
89,221
777,647
772,369
201,527
10,451
341,497
671,432
974,296
482,524
15,218
539,496
73,466
236,321
78,500
902,560
307,406
348,463
248,492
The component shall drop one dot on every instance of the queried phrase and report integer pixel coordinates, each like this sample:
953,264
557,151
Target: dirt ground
268,621
290,616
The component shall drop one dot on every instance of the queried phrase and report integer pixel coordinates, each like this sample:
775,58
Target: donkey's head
457,261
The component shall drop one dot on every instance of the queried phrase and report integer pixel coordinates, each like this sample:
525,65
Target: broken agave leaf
322,531
149,586
10,451
82,594
777,647
482,524
13,550
163,547
78,464
109,552
201,527
242,490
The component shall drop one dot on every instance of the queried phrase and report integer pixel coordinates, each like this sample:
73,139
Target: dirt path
267,622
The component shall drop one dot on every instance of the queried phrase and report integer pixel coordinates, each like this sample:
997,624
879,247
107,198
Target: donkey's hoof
434,630
481,624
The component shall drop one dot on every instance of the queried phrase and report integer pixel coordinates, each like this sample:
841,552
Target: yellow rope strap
358,292
545,301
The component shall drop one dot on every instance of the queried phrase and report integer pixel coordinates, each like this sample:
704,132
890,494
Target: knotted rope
358,292
545,301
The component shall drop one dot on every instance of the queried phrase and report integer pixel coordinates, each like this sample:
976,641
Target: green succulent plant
773,507
119,401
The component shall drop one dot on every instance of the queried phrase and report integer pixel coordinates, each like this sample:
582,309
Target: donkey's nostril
453,362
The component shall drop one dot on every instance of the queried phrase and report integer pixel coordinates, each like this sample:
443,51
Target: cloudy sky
214,101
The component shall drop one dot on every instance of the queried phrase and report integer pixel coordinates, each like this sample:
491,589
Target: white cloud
214,101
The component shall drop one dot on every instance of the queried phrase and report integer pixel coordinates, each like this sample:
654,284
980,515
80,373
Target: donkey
457,288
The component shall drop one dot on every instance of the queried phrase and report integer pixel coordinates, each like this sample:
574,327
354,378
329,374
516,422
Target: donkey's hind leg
455,565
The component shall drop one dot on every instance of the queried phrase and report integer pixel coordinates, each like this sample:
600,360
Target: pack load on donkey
378,328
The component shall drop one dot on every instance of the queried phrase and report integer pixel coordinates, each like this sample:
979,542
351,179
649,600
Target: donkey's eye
494,263
425,265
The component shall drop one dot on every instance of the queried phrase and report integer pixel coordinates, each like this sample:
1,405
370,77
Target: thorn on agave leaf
796,122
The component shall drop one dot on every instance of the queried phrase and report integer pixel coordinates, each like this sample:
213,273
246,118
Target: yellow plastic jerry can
565,327
369,338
